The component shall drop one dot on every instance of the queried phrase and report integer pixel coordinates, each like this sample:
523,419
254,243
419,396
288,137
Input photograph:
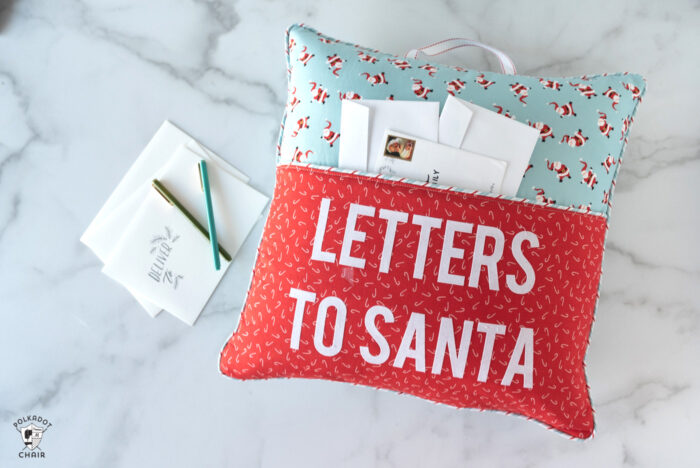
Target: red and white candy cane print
625,126
462,299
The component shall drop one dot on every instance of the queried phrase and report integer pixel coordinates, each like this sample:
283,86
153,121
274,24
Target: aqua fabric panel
584,121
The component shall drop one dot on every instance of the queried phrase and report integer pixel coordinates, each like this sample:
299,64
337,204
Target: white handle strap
507,65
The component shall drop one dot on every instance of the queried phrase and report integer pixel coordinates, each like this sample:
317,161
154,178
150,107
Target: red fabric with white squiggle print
548,322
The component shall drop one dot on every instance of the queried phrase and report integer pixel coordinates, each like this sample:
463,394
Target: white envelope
237,207
162,256
473,128
158,151
432,162
363,123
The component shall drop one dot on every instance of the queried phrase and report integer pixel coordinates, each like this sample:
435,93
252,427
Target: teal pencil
204,177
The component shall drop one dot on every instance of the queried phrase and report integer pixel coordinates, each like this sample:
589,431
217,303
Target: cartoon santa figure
318,93
455,86
575,140
483,82
559,168
636,92
503,112
520,90
420,90
304,56
550,84
301,124
375,79
429,68
329,135
588,177
613,95
293,101
365,57
541,197
608,163
335,63
545,130
563,110
603,125
349,95
399,63
585,90
299,155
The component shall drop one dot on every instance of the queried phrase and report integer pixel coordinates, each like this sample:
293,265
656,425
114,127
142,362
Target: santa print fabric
584,121
459,298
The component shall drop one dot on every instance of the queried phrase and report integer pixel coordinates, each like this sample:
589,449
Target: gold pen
170,198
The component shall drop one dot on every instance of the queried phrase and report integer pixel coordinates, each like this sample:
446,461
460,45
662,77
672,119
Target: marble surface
83,86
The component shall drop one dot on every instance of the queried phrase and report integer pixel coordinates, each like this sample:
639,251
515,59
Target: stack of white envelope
150,247
465,146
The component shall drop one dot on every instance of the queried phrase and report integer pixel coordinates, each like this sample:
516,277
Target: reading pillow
468,299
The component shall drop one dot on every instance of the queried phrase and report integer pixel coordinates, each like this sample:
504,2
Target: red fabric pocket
463,299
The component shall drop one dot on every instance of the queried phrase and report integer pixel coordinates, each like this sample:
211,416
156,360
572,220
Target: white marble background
83,86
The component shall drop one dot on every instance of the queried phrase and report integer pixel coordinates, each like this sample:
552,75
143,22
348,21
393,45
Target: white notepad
163,257
237,207
108,225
